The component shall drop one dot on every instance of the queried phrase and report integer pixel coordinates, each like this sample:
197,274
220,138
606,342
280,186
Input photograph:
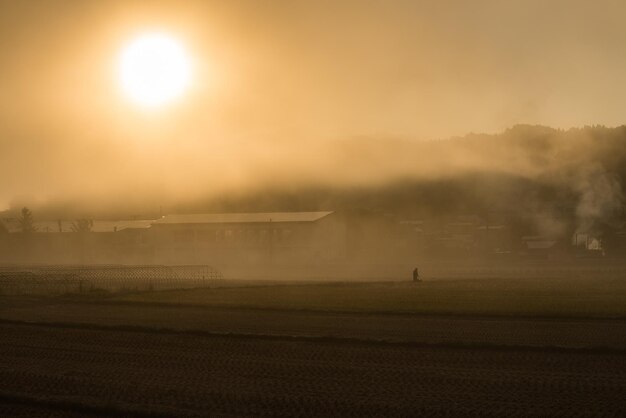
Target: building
215,238
249,238
58,242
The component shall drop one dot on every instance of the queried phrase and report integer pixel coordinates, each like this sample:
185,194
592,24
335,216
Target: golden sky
278,83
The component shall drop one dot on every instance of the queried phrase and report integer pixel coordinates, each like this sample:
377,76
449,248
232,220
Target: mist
294,95
312,208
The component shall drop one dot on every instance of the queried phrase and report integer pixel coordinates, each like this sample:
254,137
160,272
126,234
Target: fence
80,279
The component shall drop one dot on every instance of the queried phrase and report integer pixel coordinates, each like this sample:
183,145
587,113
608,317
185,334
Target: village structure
278,238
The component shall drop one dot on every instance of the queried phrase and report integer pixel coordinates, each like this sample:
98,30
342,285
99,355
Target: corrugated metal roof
220,218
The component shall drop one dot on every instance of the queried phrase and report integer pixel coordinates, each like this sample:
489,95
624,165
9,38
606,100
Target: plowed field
66,371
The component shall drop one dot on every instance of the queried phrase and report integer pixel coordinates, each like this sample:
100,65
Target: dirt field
136,373
239,351
424,329
563,297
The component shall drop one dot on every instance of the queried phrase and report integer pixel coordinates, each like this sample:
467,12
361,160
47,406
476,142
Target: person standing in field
416,276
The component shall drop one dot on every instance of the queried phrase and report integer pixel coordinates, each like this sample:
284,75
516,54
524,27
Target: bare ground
458,330
71,370
98,356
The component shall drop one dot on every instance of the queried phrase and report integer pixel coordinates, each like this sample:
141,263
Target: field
113,372
483,347
566,297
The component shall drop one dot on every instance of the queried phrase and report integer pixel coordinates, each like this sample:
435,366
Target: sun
154,69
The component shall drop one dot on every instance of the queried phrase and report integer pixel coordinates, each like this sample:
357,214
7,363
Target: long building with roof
59,242
267,237
215,238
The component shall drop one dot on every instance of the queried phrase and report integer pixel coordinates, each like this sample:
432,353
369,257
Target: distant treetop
26,221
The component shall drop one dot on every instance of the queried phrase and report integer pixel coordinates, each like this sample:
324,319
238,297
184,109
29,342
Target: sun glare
154,69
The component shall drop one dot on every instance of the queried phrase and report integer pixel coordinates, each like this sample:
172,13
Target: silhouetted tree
26,221
82,225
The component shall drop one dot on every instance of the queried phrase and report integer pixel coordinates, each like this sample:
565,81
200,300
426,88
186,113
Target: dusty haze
294,94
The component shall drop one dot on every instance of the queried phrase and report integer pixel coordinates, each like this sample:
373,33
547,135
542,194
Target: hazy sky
278,82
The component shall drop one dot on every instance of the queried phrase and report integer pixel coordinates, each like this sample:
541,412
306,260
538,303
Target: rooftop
221,218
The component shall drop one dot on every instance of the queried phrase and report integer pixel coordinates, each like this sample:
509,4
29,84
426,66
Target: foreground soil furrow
574,333
320,339
185,374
